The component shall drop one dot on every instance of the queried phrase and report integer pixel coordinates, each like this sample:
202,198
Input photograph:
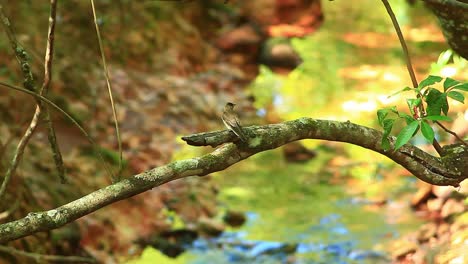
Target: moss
210,160
184,165
456,156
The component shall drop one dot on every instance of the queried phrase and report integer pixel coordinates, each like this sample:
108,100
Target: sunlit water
291,204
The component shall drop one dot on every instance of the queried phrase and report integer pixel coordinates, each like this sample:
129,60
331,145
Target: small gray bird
231,121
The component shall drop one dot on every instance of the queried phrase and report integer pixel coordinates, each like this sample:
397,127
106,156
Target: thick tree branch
421,164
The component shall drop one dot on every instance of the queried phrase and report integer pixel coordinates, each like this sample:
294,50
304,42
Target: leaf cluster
429,105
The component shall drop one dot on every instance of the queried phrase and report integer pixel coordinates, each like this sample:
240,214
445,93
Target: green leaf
427,132
463,87
387,126
412,103
381,115
456,96
436,102
406,134
409,119
402,90
433,95
449,82
437,118
430,80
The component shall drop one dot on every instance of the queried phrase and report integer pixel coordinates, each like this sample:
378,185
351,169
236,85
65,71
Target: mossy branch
261,138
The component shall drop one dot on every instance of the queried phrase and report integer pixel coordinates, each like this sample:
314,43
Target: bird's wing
239,132
232,123
237,122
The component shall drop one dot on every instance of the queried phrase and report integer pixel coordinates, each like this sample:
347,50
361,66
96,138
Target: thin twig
109,88
49,49
51,258
45,88
409,65
452,133
20,53
29,84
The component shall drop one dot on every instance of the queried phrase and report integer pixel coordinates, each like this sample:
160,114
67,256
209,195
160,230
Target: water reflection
236,248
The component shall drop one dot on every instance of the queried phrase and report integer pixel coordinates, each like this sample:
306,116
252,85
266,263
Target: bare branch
452,133
109,87
45,87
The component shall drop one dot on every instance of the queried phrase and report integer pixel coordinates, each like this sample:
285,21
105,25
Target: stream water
295,214
300,217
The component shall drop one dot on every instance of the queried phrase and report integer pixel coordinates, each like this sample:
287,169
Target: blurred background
173,66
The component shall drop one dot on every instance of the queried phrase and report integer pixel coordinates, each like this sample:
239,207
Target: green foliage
436,102
461,87
456,96
429,81
387,125
429,105
449,82
406,134
427,131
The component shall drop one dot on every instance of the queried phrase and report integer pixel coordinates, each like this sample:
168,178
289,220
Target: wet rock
239,38
272,248
279,53
374,256
172,243
435,204
402,247
234,218
378,200
423,193
443,229
442,191
210,227
426,232
451,207
296,152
